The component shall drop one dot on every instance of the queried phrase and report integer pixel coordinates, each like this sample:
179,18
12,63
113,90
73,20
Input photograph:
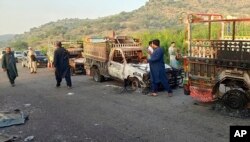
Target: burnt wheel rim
135,84
235,99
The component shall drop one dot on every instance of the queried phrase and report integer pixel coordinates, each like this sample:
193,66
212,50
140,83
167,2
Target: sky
18,16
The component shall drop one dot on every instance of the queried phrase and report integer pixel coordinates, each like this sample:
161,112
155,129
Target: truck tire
235,99
97,76
135,84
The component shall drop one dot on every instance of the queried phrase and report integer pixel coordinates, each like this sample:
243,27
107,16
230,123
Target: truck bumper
201,94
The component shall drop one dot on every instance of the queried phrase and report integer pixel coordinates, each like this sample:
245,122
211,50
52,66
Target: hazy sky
18,16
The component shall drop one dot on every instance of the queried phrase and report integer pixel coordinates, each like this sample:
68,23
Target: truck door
116,64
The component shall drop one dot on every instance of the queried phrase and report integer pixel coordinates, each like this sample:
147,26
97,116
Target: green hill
154,15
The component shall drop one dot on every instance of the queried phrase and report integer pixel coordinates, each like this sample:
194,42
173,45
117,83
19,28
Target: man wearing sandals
157,72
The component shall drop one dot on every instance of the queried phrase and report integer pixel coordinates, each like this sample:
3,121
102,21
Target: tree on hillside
19,45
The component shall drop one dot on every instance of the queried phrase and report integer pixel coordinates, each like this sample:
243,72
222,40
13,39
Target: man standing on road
61,64
150,49
157,72
9,66
172,50
32,60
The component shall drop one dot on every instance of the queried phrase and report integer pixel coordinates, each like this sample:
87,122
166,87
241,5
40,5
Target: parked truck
75,49
218,63
120,58
114,58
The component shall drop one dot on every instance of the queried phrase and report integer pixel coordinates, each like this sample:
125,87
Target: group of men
62,68
61,64
9,64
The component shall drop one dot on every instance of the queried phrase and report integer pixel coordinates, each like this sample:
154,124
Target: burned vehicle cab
122,65
75,49
218,65
76,61
112,58
120,58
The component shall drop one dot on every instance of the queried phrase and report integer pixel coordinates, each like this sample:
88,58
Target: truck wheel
97,76
135,84
235,99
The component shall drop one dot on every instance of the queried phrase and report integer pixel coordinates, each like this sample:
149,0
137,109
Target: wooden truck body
218,64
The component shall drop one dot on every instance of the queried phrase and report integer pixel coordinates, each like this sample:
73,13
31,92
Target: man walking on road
157,66
61,64
9,66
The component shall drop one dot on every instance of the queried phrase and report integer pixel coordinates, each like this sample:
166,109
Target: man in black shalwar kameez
61,64
9,66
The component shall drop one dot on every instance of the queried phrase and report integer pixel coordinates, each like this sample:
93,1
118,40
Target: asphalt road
96,112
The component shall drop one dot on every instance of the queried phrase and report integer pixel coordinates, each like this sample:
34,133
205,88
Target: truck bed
207,57
97,51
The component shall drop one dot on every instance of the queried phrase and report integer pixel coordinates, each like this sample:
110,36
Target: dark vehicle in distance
42,60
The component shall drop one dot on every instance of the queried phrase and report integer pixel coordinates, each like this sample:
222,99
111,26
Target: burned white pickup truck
119,58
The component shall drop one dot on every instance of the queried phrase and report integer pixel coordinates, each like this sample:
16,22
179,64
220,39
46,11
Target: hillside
6,37
154,15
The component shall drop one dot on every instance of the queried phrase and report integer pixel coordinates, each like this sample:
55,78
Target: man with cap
32,60
61,64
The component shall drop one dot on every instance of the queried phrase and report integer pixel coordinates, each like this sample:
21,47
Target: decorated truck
119,58
218,61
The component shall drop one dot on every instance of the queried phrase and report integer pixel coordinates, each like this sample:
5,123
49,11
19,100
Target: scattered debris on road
196,103
239,113
70,94
7,138
96,124
113,86
29,138
10,118
27,105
